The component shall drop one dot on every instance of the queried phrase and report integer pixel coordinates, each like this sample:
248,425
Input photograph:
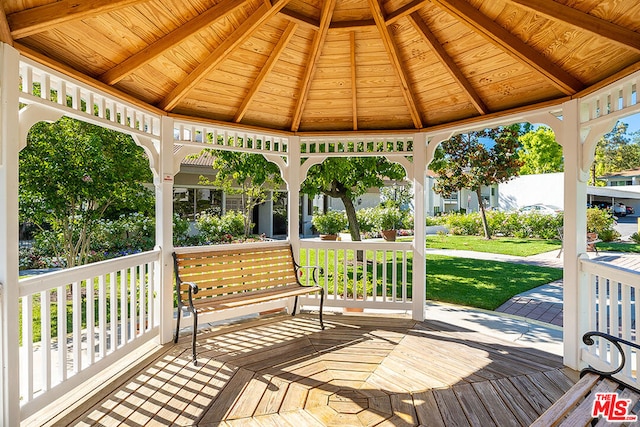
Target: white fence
612,309
362,275
76,322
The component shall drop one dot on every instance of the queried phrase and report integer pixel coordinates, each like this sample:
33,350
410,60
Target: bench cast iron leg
193,338
321,304
175,339
295,305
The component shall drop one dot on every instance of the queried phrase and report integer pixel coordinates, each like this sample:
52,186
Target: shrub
214,229
388,218
331,222
635,237
609,235
366,219
599,220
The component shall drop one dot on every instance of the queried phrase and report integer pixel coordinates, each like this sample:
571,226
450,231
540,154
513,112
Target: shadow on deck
362,370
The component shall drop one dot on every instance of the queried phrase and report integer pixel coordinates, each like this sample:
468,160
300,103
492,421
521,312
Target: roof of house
333,65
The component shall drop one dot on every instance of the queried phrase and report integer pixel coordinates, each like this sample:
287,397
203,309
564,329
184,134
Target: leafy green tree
540,152
347,178
71,172
250,175
464,161
616,151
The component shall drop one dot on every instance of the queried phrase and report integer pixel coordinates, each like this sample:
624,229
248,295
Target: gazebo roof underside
334,65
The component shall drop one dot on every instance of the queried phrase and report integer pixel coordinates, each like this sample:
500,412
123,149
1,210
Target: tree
250,175
540,152
71,172
347,178
615,152
465,162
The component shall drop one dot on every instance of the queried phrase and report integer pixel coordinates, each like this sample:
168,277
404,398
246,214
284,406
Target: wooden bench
592,240
220,278
575,407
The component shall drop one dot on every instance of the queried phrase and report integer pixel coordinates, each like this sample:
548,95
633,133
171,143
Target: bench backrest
240,269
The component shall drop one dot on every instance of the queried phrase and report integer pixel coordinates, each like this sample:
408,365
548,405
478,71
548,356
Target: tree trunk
354,227
483,214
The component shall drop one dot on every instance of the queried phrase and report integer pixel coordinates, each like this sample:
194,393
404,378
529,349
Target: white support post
293,179
575,293
419,289
9,151
164,227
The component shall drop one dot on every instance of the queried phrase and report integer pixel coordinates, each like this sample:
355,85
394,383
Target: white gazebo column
293,179
9,293
575,284
419,288
164,227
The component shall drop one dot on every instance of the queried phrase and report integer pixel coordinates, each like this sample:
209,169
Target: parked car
541,208
620,209
629,210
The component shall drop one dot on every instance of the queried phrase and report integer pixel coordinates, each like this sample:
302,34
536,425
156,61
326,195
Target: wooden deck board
362,370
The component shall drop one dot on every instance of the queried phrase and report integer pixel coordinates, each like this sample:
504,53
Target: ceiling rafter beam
222,52
163,44
354,92
5,30
584,21
314,55
266,69
405,10
352,25
300,19
448,62
396,63
46,17
511,44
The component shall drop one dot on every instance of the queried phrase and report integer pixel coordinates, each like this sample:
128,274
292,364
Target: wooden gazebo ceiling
322,65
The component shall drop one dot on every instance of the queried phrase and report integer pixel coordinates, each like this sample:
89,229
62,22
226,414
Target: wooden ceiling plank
148,54
405,10
354,91
242,33
584,21
266,69
300,19
314,55
42,18
5,30
493,32
448,62
398,67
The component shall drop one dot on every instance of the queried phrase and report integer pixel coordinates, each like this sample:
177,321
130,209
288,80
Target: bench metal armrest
587,338
193,289
316,270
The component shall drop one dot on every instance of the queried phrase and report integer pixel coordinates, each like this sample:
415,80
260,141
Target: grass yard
497,245
482,284
619,247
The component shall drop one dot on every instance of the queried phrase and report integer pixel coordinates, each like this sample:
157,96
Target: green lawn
618,247
482,284
497,245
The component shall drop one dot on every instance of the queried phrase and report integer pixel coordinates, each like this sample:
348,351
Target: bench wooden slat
207,293
240,300
567,402
240,255
240,265
581,416
227,276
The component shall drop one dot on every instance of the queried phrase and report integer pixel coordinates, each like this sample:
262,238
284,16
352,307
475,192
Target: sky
633,122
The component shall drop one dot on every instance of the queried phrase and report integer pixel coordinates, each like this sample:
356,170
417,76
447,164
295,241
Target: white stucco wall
532,189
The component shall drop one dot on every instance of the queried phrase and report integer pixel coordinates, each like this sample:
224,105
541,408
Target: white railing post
293,179
164,228
9,264
575,294
418,294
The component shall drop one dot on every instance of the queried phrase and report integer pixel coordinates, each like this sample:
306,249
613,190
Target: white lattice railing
76,322
612,309
356,146
219,137
380,278
40,84
617,100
